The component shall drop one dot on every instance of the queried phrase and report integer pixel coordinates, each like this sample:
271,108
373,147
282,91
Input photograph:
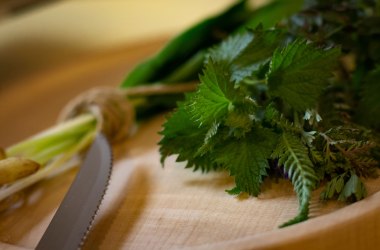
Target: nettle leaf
247,52
257,53
277,120
292,154
214,95
183,137
299,73
211,138
246,159
230,48
261,46
241,116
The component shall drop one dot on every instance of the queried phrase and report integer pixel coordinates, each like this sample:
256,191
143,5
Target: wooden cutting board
150,207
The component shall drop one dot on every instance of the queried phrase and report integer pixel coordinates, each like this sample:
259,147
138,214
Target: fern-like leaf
349,149
293,156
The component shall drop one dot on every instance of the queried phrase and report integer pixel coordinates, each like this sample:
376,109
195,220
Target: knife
73,219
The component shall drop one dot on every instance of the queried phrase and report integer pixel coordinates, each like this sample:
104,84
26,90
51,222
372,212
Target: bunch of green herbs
301,98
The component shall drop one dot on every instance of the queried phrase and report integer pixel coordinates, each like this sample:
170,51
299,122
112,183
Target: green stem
56,147
55,165
62,132
44,156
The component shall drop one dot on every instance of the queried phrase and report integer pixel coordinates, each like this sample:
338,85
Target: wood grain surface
151,207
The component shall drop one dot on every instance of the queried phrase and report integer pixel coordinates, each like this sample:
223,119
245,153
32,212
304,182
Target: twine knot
114,113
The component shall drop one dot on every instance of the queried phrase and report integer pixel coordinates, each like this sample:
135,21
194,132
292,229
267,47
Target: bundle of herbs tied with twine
291,89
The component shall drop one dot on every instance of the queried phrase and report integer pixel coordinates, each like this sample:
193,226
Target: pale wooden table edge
356,226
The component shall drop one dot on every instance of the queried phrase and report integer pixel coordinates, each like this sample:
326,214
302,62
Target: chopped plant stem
46,155
72,163
64,130
14,168
49,169
55,148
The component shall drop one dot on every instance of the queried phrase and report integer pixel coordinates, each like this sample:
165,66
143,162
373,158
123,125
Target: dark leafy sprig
284,98
237,115
346,186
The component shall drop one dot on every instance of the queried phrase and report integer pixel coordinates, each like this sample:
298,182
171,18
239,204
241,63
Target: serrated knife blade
72,221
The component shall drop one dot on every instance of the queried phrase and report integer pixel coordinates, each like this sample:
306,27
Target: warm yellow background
56,33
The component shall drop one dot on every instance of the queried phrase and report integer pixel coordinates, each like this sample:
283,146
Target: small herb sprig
267,101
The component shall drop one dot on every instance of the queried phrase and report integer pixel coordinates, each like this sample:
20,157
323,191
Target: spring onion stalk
60,148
